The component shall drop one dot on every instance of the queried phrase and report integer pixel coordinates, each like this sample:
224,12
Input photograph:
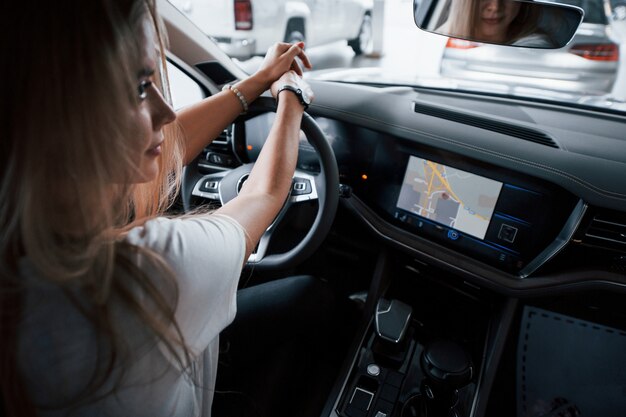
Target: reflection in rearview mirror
524,23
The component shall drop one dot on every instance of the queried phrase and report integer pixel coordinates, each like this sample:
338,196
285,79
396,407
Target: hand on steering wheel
323,187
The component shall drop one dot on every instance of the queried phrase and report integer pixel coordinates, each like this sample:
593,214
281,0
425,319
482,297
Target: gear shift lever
392,322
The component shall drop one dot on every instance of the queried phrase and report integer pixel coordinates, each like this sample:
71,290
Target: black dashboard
488,195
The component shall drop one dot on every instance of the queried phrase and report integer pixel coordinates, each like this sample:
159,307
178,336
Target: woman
508,22
107,308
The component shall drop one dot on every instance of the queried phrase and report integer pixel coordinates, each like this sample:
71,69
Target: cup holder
415,406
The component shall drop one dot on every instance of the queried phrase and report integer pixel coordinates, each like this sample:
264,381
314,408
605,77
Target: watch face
302,95
305,97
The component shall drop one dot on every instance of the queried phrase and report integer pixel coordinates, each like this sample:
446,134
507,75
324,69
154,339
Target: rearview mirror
524,23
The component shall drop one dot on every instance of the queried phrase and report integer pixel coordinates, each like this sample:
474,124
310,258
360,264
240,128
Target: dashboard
527,189
495,197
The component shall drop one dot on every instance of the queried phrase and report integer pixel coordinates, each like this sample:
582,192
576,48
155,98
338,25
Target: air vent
608,230
224,137
488,124
219,152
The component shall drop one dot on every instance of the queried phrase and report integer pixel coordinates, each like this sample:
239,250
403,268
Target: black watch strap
297,91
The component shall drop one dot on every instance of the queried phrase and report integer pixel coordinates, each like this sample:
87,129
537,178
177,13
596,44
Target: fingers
282,57
303,56
284,46
297,50
296,67
294,50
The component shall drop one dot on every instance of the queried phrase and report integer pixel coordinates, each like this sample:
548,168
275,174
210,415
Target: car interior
515,308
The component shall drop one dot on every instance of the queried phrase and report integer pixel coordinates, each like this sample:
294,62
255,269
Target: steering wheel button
209,186
301,186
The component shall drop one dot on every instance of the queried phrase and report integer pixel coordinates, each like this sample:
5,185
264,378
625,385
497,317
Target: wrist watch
304,98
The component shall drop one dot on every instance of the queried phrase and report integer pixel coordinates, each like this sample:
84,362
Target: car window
184,89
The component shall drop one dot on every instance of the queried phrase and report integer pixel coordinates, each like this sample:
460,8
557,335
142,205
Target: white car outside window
244,28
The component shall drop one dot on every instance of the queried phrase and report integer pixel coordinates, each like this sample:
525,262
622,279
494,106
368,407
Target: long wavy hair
69,84
463,16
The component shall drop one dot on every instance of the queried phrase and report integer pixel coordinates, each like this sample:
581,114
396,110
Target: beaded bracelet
242,99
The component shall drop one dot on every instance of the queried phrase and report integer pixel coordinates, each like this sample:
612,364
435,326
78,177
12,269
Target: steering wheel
323,187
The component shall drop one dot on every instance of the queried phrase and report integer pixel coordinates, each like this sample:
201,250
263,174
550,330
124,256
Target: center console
433,344
399,374
421,352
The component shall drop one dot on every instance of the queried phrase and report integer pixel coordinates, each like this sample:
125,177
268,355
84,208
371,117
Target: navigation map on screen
449,196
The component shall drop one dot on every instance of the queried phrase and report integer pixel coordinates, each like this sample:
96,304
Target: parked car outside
587,65
244,28
618,10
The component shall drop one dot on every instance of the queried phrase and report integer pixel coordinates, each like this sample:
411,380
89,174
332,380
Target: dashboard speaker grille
488,124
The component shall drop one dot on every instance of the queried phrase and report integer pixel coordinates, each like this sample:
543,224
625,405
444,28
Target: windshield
376,42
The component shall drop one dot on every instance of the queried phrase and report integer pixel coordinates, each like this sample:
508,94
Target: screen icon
507,233
453,234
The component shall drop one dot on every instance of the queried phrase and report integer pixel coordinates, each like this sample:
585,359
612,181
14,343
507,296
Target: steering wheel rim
325,187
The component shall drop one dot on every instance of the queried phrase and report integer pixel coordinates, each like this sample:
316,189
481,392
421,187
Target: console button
512,234
361,399
373,369
507,233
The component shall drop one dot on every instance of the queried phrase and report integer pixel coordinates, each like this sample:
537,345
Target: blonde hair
461,19
67,142
463,16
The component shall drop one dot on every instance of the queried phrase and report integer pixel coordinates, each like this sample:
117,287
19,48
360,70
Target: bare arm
204,121
267,188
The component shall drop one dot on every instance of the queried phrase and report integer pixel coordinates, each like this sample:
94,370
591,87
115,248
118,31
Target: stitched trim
571,321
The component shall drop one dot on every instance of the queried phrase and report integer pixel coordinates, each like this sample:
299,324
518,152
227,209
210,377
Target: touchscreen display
449,196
